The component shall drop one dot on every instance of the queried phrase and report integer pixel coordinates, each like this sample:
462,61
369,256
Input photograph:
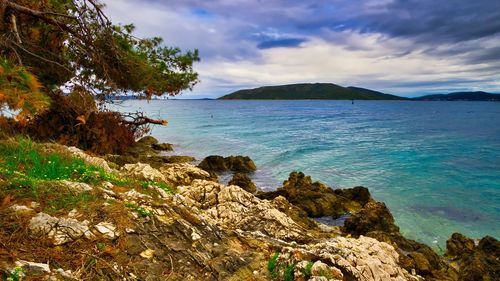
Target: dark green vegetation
317,91
462,96
328,91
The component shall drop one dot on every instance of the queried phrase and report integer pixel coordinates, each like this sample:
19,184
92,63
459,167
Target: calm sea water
435,164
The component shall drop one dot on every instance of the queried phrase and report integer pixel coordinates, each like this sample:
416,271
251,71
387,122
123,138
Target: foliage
140,210
272,265
289,274
20,91
79,123
15,275
72,45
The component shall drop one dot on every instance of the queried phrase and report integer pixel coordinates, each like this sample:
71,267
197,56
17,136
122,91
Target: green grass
28,171
25,165
271,265
289,274
140,210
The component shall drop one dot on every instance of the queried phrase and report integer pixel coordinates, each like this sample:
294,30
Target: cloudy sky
403,47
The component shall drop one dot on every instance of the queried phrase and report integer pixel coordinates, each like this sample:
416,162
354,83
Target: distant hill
316,91
462,96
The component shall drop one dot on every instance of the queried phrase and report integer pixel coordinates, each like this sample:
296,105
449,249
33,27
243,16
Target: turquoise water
435,164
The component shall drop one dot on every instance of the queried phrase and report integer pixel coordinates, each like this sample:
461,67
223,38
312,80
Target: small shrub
271,265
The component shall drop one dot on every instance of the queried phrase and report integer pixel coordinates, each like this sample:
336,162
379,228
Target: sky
403,47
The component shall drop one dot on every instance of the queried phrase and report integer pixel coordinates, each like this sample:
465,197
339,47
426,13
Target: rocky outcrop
317,199
183,173
211,231
234,208
375,220
215,164
244,182
479,262
343,258
163,146
142,172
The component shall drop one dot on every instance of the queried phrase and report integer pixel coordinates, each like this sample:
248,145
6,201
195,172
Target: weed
16,274
162,185
271,265
140,210
289,274
143,212
101,246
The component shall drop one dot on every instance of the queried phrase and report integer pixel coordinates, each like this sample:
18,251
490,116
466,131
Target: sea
435,164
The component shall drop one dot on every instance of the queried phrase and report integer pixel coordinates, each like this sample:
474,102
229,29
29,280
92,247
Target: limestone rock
20,210
340,258
244,182
89,160
76,187
235,208
142,172
60,230
34,267
107,229
182,173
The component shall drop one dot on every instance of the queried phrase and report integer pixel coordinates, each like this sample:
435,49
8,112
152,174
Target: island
309,91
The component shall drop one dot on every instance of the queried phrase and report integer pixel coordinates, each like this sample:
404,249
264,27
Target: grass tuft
272,265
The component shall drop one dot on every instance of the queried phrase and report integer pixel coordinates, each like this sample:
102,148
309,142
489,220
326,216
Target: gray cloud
456,34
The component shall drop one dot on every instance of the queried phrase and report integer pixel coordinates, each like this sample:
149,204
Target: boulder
342,258
215,163
375,220
244,182
183,173
60,230
317,199
148,140
373,217
481,262
163,146
142,172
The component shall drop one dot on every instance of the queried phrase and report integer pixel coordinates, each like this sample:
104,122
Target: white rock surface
142,172
76,187
89,160
107,229
33,266
183,173
60,230
234,208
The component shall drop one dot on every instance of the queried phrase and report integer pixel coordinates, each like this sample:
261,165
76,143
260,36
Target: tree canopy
48,47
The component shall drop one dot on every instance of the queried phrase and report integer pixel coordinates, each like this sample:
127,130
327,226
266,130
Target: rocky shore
181,223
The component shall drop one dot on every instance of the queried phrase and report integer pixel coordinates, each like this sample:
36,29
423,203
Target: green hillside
316,91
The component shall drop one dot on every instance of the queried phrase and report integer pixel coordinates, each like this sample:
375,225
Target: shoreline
170,220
